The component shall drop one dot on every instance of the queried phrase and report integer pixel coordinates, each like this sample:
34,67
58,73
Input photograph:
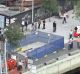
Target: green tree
50,5
54,6
46,4
77,9
13,35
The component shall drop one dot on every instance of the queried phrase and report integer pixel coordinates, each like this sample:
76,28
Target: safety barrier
52,43
60,66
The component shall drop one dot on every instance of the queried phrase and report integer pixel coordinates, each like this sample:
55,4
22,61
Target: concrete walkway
62,29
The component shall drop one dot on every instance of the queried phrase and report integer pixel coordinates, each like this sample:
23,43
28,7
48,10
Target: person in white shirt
23,24
64,19
20,62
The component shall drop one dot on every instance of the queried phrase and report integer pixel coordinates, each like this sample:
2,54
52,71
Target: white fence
60,66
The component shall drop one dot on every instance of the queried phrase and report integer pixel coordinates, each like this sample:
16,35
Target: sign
12,20
7,22
2,21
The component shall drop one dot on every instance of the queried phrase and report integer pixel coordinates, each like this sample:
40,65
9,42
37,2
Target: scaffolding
3,62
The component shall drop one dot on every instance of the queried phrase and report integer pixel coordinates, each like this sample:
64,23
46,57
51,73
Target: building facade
26,3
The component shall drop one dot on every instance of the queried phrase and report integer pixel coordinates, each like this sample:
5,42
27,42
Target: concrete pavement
62,29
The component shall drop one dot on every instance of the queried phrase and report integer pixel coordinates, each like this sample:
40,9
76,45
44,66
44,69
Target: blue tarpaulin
52,43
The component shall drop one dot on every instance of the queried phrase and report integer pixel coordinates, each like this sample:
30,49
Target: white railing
60,66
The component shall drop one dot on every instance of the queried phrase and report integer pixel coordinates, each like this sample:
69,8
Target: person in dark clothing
54,26
26,24
32,24
44,24
0,30
75,28
39,23
64,20
71,34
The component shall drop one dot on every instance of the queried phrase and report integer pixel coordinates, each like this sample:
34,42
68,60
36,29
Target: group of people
16,66
37,25
34,25
72,34
17,70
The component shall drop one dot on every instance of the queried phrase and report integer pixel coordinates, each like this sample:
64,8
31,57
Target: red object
11,63
76,34
14,71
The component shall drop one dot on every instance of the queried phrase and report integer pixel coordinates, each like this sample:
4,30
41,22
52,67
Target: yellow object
20,49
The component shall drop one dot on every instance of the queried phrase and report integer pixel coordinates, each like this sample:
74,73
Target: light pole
32,11
5,55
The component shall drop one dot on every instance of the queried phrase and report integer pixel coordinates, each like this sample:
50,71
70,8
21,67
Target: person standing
20,62
32,26
70,44
71,34
44,24
23,24
26,63
39,23
35,26
26,24
75,29
54,26
64,18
